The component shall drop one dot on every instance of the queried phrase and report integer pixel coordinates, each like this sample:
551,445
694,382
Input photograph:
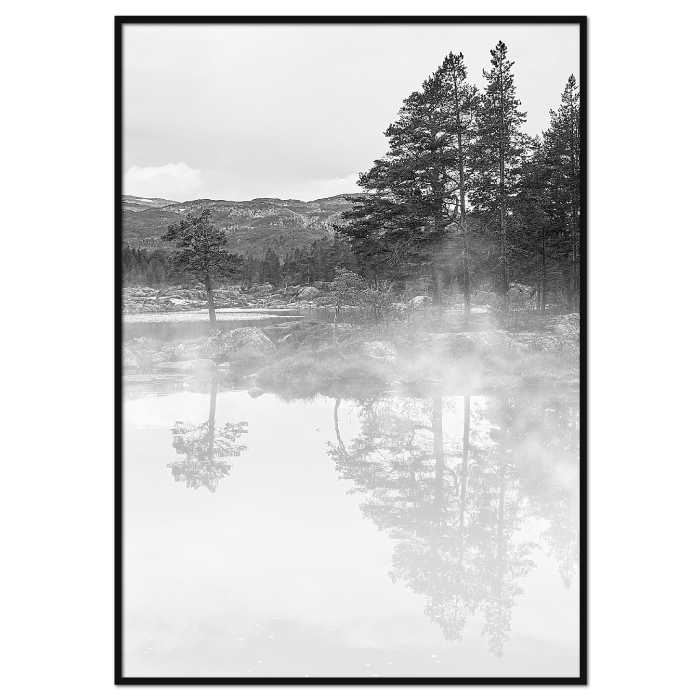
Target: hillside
252,227
130,203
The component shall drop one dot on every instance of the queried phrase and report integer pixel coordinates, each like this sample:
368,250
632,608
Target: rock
314,334
419,301
174,367
562,334
255,391
473,342
224,365
281,330
129,359
379,351
222,344
185,352
309,293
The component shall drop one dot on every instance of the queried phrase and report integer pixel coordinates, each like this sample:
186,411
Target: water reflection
206,449
456,505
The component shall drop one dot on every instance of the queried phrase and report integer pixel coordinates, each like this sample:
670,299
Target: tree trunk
210,303
341,444
567,272
335,321
462,200
437,298
543,301
467,282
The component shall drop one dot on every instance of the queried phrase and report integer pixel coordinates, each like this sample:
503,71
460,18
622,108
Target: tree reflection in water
456,504
206,449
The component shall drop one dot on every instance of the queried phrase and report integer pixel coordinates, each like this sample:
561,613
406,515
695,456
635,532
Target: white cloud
317,189
172,181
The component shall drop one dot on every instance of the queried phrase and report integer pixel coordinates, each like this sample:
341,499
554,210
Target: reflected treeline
206,449
455,499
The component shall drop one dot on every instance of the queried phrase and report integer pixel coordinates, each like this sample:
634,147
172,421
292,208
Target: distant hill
130,203
252,227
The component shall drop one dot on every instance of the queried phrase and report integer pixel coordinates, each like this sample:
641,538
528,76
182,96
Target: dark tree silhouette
200,253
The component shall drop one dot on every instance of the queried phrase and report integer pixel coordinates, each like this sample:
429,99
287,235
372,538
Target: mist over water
390,536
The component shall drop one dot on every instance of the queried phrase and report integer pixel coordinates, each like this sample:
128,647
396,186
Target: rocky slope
251,227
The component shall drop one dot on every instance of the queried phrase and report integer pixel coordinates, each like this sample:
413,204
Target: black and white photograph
351,314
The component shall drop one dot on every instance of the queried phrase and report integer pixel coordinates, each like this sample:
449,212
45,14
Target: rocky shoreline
147,300
310,353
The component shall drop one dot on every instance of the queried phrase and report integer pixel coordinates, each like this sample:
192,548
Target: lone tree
199,253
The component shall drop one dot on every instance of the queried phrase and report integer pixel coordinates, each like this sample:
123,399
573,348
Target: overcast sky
297,111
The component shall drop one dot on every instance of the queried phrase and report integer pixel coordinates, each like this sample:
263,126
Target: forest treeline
463,197
318,262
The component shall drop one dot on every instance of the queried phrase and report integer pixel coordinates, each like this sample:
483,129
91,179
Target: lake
380,537
195,324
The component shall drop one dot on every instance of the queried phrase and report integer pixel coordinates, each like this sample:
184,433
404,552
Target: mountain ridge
251,226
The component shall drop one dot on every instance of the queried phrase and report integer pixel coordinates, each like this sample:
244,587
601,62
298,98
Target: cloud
172,181
316,189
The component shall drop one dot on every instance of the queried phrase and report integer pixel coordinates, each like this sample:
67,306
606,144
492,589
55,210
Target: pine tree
459,121
200,254
562,158
499,151
401,221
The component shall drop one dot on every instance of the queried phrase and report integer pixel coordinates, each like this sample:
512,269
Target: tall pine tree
399,224
498,155
458,119
562,159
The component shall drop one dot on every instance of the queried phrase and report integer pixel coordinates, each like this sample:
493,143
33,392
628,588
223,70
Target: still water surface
195,324
381,538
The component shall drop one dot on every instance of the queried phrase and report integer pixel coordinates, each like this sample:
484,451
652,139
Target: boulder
309,293
185,352
314,334
379,351
419,301
472,342
255,391
224,343
281,330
